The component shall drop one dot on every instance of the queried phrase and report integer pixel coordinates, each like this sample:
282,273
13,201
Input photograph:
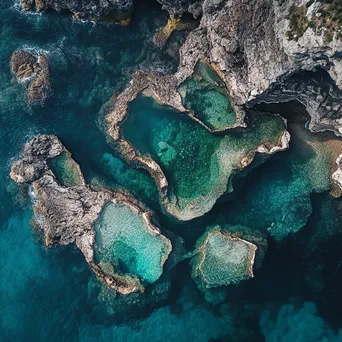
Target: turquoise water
205,95
51,294
124,240
198,165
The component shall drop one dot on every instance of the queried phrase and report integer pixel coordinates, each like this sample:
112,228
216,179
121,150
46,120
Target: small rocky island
34,72
221,259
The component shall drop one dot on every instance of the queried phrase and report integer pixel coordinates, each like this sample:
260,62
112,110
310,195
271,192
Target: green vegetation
328,18
299,22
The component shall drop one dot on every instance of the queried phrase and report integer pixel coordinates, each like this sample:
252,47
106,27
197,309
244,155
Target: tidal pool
66,170
124,240
204,93
197,164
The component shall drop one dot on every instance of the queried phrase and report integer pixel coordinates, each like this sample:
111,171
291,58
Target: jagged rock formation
106,10
257,47
67,214
111,10
33,70
177,8
337,175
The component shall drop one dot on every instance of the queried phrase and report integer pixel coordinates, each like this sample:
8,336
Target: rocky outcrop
251,47
106,10
221,259
177,8
33,71
67,214
337,175
111,10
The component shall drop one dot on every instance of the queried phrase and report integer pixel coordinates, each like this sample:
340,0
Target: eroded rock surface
107,10
177,8
67,214
33,71
251,46
115,10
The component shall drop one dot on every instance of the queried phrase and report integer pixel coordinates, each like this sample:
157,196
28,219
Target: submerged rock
33,70
67,214
278,199
173,24
220,259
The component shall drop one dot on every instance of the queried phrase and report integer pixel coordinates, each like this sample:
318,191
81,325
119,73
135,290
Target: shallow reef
197,165
126,241
221,259
279,201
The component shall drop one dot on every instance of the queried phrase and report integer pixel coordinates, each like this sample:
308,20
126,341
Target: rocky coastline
259,59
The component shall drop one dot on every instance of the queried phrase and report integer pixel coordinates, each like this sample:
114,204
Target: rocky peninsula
67,214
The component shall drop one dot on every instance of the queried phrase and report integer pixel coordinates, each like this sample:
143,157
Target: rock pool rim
117,117
201,251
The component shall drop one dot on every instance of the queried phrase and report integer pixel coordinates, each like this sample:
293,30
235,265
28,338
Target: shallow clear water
51,294
124,240
197,164
205,95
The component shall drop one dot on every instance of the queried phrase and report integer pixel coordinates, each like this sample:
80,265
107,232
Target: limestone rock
177,8
221,259
251,47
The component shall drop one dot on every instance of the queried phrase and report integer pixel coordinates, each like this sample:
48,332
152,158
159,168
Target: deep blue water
51,295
